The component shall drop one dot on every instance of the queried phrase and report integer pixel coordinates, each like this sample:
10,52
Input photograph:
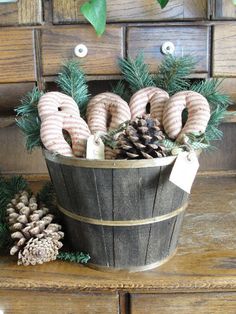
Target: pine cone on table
141,140
27,223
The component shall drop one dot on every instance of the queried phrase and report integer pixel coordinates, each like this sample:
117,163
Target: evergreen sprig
136,73
173,72
78,257
72,81
8,189
121,89
28,119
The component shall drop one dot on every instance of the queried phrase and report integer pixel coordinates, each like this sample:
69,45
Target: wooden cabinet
58,45
17,55
224,9
68,11
189,303
22,12
224,50
192,41
18,302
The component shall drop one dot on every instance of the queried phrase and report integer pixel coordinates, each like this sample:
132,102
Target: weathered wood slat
118,195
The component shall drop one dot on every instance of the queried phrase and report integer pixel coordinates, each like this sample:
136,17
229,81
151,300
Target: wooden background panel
11,94
192,41
224,9
29,302
228,86
224,50
127,10
200,303
223,154
13,156
58,45
16,55
22,12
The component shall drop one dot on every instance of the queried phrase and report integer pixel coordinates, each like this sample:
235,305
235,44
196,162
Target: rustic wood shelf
203,269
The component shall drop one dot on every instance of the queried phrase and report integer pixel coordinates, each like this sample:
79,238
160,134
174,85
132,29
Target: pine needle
172,73
136,73
28,119
78,257
72,81
121,90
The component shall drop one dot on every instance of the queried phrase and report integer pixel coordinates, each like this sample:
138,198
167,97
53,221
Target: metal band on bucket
122,223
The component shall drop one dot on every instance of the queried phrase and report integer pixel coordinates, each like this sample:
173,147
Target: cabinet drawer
22,12
28,302
67,11
16,55
58,45
192,41
224,9
190,303
11,94
224,50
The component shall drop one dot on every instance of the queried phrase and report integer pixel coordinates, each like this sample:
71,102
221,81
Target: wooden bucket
126,214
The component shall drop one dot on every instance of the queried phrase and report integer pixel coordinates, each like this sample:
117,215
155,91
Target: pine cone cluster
37,239
141,140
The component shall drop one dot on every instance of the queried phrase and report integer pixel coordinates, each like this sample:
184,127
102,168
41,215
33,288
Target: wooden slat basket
126,214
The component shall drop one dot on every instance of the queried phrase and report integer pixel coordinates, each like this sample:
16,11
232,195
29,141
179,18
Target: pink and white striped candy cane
198,114
157,98
52,134
60,112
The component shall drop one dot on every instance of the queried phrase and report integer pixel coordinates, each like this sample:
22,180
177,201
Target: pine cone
39,251
141,140
27,222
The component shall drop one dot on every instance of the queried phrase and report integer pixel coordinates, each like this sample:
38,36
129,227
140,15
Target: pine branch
28,119
172,73
109,139
47,195
78,257
121,90
136,73
72,81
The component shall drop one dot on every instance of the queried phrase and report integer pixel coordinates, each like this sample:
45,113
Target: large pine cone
141,140
27,221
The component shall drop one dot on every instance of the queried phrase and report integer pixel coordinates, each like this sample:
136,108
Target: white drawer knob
168,48
81,51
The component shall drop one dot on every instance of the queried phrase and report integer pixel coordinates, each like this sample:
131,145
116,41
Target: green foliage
95,12
172,73
136,73
78,257
109,139
8,189
28,119
163,3
46,195
121,90
72,81
219,103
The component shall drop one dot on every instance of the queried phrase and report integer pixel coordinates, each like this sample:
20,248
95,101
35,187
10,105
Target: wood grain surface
224,9
22,12
205,261
224,50
17,60
11,94
68,11
192,41
58,45
189,303
13,155
29,302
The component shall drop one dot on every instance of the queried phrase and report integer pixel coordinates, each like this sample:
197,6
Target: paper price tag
95,148
184,170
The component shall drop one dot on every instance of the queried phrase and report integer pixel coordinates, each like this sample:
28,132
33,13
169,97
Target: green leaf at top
95,12
163,3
